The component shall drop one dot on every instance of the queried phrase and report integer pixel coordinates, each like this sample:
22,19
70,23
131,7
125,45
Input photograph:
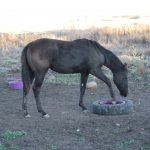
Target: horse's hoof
85,111
27,116
46,116
113,99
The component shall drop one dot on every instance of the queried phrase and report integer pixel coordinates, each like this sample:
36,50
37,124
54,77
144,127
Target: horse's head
121,80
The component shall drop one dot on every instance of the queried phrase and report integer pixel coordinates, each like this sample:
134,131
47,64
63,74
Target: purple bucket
15,84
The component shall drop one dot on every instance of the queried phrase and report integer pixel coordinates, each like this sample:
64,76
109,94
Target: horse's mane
111,60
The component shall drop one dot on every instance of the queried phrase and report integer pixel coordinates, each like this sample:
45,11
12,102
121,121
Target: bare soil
68,128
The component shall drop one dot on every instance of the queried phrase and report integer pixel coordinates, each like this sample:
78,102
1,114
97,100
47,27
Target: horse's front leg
84,77
36,89
99,74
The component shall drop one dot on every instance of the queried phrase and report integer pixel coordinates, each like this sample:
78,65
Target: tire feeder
108,107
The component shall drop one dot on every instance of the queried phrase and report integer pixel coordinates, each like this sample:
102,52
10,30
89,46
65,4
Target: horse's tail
26,72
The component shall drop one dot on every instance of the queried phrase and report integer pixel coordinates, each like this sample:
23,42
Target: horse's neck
112,62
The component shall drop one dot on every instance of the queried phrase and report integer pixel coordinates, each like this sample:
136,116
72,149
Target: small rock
118,125
129,129
78,130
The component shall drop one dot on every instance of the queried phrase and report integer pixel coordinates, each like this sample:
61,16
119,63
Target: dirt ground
68,128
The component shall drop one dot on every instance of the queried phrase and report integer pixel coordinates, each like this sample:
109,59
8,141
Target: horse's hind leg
39,78
99,74
84,77
24,102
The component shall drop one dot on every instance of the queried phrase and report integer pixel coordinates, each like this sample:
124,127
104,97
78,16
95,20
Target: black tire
116,108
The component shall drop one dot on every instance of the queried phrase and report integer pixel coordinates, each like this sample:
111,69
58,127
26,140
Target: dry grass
119,38
106,35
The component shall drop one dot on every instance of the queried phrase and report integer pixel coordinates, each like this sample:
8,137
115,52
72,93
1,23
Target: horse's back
63,56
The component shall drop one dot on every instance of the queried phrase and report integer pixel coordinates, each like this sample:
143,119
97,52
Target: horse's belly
70,67
62,69
68,64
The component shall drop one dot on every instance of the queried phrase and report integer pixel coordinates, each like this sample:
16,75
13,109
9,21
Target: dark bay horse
79,56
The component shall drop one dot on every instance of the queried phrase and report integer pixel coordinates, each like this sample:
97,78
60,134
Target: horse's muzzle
124,94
